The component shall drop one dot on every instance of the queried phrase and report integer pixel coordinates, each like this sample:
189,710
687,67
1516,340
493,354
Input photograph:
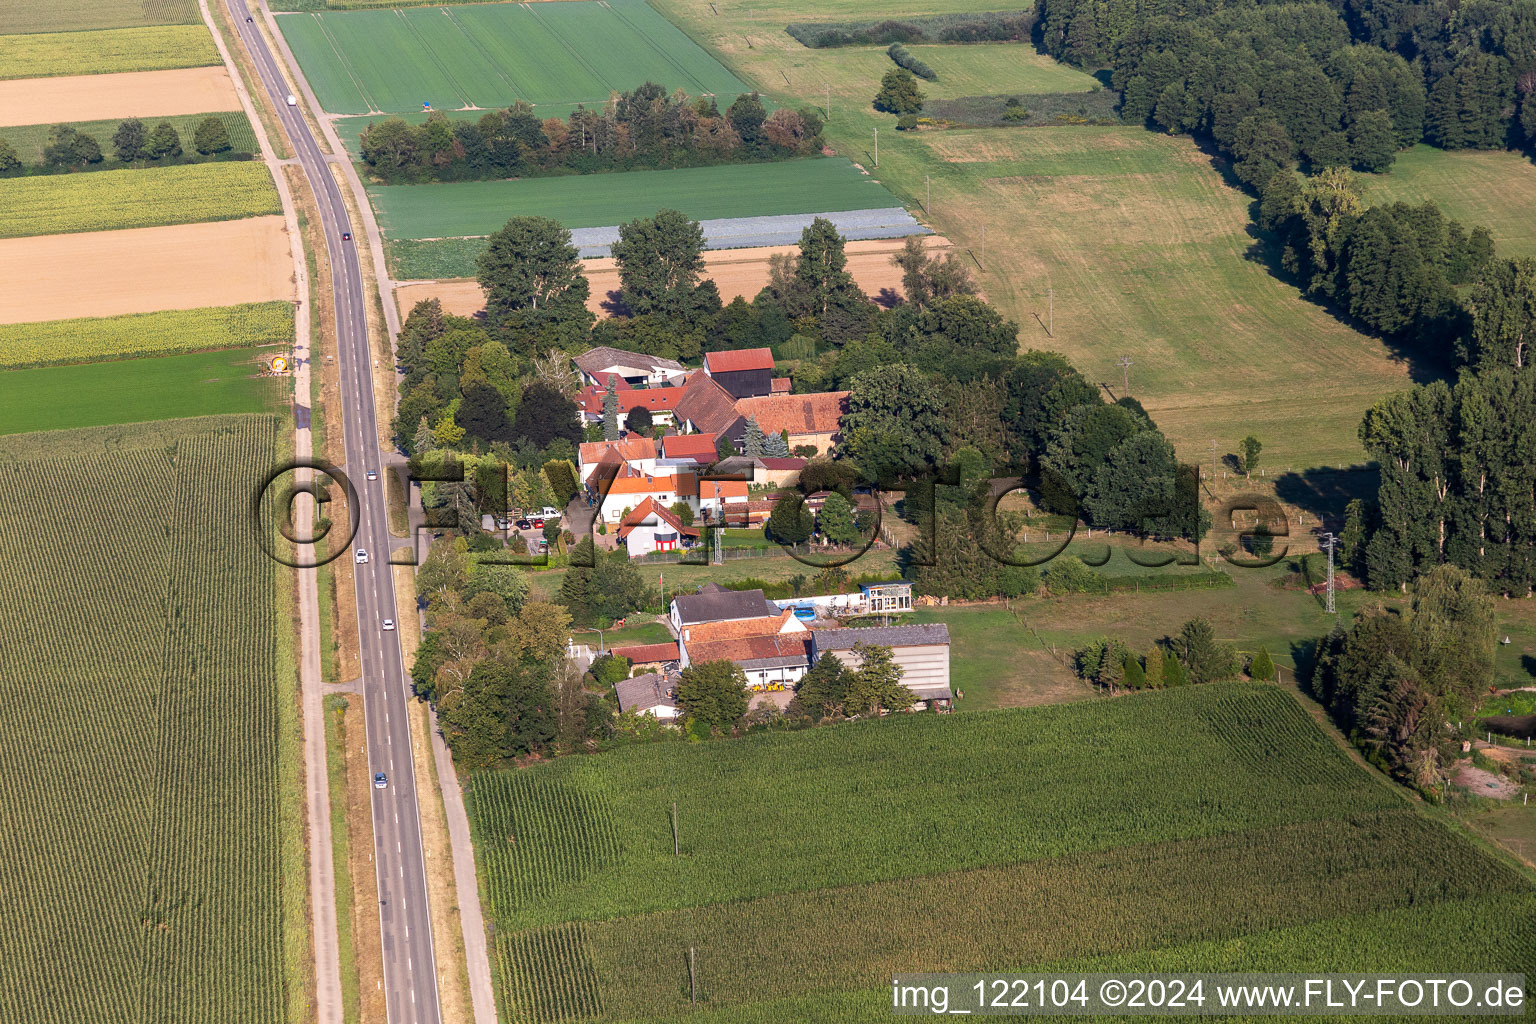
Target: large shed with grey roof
715,604
922,651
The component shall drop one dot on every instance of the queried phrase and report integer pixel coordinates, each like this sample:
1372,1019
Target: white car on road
362,556
389,625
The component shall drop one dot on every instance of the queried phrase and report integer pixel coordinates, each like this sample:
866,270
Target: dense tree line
69,149
1396,679
1190,657
1332,84
1394,268
643,128
493,663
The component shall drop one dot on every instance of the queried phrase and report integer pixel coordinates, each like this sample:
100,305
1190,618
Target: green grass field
1133,237
492,55
56,342
1168,827
29,139
157,48
1496,189
135,391
74,15
594,200
149,822
56,204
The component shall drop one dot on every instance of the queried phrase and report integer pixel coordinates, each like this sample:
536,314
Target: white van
293,100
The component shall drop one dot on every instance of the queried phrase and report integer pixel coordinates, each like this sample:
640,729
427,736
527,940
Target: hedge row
903,58
980,27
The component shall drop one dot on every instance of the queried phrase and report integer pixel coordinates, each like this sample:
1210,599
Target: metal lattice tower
1329,540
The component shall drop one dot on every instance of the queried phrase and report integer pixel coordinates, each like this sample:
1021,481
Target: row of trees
69,149
1346,83
1396,678
643,128
1192,656
1393,267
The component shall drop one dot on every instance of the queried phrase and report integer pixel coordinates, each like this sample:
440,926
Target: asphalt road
410,976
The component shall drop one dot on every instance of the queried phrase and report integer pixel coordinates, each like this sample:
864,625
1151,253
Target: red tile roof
641,654
753,648
590,398
739,359
700,447
644,511
780,385
789,463
799,414
707,405
630,448
735,629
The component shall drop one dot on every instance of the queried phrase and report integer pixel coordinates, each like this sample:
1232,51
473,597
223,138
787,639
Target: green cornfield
145,724
436,258
28,140
56,204
158,48
53,342
821,861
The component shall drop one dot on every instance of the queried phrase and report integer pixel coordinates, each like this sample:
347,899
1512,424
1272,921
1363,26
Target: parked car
362,556
524,524
389,625
380,780
538,524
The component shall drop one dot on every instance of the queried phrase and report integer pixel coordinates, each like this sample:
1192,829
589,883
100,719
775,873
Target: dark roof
641,693
884,636
722,605
708,406
594,360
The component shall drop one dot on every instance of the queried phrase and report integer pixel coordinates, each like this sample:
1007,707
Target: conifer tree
1154,672
1261,669
611,411
1135,676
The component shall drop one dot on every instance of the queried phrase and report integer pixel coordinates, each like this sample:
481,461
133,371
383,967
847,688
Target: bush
1068,575
904,59
978,27
899,93
906,122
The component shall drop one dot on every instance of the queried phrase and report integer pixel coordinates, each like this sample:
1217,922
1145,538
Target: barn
921,651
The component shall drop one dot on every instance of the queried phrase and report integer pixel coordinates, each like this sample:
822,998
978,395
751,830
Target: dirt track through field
133,94
107,273
735,272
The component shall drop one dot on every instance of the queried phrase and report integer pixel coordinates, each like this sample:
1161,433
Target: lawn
495,54
158,48
54,342
151,820
1496,189
57,204
135,390
1144,828
995,662
880,562
29,140
813,185
74,15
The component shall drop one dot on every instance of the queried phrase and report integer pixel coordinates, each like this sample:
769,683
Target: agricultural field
149,816
492,55
75,15
444,211
1159,828
184,266
57,342
47,55
1495,188
54,204
28,140
137,390
148,95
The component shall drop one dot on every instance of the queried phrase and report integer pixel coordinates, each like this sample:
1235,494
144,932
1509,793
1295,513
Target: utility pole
1050,311
877,149
829,103
1329,540
1125,365
983,247
928,203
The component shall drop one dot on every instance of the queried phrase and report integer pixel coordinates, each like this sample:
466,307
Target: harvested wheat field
735,272
107,273
131,94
